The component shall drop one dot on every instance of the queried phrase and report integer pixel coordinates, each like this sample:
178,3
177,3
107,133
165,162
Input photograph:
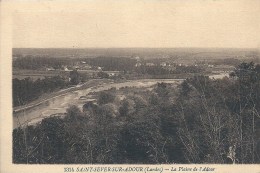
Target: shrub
105,97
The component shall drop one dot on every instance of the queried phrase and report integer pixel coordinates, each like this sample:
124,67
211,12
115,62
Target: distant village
83,66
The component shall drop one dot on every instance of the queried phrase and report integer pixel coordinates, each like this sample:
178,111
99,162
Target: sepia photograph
135,82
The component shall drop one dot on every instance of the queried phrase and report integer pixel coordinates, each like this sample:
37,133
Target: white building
138,64
149,64
164,64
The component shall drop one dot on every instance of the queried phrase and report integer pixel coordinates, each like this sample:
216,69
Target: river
58,105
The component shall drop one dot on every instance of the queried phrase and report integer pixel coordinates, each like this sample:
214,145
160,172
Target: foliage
112,63
203,121
127,107
220,117
26,90
73,112
106,97
159,70
34,63
102,75
74,77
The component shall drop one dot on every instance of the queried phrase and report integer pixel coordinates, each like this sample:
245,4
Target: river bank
52,95
57,103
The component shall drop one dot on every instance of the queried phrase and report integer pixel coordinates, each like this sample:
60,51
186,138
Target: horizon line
135,48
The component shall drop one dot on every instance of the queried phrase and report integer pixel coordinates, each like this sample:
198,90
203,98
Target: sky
154,23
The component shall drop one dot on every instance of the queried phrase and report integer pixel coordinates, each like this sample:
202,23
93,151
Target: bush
105,97
102,75
127,107
73,112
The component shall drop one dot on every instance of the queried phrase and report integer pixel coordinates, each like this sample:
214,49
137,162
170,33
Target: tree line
27,90
107,63
35,63
159,70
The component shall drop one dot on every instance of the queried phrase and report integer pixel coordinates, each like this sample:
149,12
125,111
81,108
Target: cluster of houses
139,63
165,64
84,68
82,65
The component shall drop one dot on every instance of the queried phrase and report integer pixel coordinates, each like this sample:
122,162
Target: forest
202,120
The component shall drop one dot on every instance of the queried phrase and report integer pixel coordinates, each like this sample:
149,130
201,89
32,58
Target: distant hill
142,52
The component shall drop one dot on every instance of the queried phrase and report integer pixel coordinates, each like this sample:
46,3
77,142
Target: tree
105,97
162,90
127,107
74,77
102,74
223,115
185,88
73,112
